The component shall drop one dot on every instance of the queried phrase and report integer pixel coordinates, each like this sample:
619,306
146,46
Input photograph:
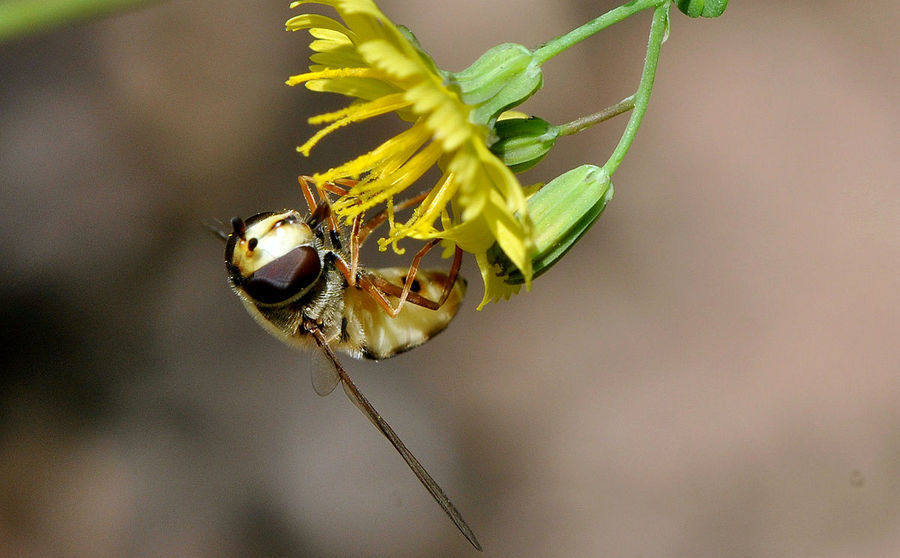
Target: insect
301,280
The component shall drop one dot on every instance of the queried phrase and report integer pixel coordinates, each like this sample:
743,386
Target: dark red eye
284,277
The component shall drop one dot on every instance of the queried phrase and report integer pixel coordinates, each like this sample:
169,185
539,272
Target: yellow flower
476,202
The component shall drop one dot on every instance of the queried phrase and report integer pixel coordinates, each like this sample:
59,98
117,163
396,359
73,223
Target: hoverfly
297,279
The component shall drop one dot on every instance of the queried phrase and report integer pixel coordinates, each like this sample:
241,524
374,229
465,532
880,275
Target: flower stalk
585,122
560,44
658,31
19,18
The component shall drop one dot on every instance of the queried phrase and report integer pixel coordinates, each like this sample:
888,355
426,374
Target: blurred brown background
713,371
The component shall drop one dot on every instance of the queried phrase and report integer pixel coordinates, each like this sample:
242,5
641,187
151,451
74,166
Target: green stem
642,95
580,124
559,44
24,17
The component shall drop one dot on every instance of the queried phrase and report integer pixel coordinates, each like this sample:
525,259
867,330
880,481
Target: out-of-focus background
713,371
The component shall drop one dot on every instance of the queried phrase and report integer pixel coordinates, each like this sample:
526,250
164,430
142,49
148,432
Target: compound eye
281,279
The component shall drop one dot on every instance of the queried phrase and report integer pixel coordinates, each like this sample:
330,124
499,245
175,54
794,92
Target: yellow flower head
476,202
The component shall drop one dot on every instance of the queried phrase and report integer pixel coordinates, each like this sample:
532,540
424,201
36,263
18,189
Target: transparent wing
363,404
323,373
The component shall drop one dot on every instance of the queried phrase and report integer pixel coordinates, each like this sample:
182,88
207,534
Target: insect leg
354,249
375,286
307,192
363,404
451,277
306,183
381,216
411,277
411,273
382,287
359,236
341,186
359,232
378,287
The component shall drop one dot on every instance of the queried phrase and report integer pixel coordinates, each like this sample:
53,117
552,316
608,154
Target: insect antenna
217,229
238,226
320,214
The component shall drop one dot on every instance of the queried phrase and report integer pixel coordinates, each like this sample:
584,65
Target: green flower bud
702,8
523,142
561,212
505,76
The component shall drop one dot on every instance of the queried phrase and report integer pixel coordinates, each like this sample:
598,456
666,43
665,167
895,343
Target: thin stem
642,95
559,44
24,17
580,124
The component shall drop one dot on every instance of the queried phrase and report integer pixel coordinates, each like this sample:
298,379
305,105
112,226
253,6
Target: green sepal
522,142
561,212
503,77
426,58
702,8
